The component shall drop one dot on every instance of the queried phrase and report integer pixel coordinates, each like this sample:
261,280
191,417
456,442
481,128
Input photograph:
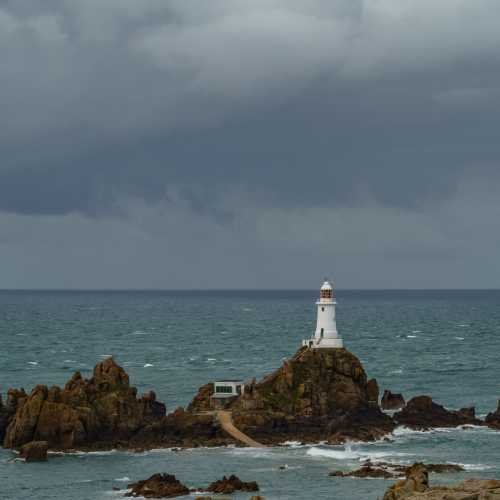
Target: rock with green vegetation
319,394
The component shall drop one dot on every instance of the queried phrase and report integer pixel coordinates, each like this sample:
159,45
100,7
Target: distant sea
442,343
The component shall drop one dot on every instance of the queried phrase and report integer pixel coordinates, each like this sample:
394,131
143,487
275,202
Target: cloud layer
261,114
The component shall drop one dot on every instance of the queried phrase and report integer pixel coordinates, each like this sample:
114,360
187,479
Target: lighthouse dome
326,286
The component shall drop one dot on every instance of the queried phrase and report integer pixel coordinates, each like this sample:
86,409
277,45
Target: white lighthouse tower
326,335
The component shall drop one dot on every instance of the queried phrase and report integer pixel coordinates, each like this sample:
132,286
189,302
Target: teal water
442,343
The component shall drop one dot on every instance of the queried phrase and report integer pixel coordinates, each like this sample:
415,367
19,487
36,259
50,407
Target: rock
228,485
416,487
158,486
36,451
99,412
417,481
8,410
422,413
365,471
319,394
493,418
387,470
392,401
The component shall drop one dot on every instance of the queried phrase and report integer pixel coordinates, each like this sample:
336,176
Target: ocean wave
348,453
123,479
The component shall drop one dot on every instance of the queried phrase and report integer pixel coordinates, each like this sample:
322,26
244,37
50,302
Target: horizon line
40,289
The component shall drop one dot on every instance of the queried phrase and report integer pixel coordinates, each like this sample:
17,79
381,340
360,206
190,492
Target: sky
202,144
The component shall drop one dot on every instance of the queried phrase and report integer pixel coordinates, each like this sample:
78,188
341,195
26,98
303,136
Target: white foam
396,372
123,479
416,331
147,365
348,453
472,467
460,338
293,444
34,363
411,336
211,359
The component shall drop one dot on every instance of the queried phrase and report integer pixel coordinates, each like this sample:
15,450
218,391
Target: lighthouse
326,335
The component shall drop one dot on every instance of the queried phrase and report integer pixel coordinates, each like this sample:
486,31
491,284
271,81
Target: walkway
226,421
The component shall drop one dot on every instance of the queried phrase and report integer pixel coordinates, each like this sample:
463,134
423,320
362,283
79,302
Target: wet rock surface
158,486
416,487
36,451
493,418
85,413
422,413
392,401
231,484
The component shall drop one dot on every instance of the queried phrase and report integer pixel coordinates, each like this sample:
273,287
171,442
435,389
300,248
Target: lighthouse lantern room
326,335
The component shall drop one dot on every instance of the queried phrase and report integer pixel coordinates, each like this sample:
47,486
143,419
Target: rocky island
317,395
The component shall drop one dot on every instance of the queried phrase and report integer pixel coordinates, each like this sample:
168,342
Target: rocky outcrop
422,413
392,401
158,486
387,470
228,485
99,412
318,394
493,418
416,487
36,451
181,429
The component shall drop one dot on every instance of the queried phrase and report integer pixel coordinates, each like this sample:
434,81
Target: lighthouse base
323,343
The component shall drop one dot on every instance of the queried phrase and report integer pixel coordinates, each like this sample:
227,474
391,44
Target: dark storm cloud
333,103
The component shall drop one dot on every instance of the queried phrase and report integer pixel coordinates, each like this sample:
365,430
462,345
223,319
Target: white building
326,335
228,389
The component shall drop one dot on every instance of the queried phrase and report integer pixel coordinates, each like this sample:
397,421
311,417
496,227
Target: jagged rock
228,485
365,471
493,418
392,401
36,451
417,481
15,397
372,392
158,486
416,487
318,394
85,413
422,413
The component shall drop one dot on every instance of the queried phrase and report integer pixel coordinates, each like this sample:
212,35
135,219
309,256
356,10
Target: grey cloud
330,104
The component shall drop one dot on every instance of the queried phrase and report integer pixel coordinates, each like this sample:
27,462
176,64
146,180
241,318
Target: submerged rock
422,413
228,485
387,470
493,418
85,413
36,451
392,401
416,487
158,486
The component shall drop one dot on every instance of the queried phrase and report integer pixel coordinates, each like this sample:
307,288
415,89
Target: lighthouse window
323,309
322,332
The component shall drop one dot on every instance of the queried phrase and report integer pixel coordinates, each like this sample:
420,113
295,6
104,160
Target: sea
442,343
